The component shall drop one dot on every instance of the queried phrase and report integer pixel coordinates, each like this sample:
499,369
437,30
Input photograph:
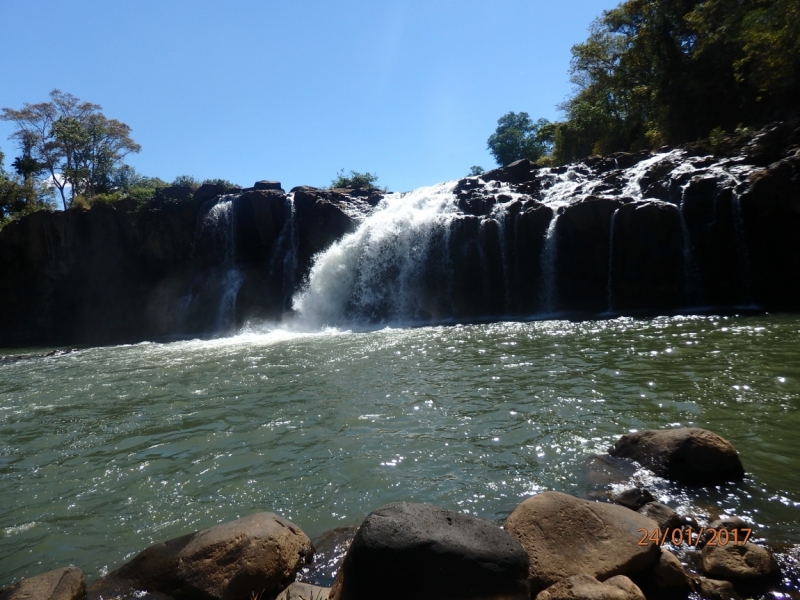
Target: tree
21,195
72,142
517,137
354,180
476,170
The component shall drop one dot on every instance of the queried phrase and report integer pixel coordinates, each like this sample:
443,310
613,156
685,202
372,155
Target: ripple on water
141,443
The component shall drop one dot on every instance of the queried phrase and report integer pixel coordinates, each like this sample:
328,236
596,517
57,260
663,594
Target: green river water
107,450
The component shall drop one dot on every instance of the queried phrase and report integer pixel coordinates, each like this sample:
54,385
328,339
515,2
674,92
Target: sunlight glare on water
107,450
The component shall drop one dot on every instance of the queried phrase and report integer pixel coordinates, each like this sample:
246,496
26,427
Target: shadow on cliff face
672,231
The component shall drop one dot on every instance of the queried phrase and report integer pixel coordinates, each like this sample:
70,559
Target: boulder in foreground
734,561
582,587
689,454
60,584
566,536
226,562
424,552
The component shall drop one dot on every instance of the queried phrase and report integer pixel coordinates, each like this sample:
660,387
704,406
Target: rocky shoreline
624,545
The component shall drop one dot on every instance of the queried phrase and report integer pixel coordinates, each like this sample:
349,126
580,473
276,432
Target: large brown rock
662,514
586,587
733,561
566,536
689,454
60,584
226,562
424,552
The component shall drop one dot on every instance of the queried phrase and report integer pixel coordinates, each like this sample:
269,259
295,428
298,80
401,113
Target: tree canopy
354,180
517,137
71,143
653,73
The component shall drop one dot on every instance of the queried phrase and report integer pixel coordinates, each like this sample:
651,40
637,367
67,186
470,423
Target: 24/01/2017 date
719,537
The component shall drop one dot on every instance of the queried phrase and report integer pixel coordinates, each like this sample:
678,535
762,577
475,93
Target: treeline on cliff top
656,73
651,73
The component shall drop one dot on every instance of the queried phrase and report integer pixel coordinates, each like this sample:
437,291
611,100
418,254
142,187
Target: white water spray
374,274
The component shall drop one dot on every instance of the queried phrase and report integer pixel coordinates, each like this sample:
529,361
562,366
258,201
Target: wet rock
690,455
330,549
731,524
259,552
566,536
715,589
304,591
662,514
583,587
60,584
633,498
424,552
668,572
518,171
738,562
208,191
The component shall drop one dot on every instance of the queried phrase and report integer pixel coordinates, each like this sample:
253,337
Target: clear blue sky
296,90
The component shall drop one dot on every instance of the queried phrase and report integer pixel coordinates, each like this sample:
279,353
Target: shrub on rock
566,536
689,454
424,552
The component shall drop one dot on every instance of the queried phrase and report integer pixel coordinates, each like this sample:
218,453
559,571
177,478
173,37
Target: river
106,450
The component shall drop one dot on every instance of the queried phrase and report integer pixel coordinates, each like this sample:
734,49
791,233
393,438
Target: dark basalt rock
424,552
266,184
518,171
691,455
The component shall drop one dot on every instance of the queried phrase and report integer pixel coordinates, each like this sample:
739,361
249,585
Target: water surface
107,450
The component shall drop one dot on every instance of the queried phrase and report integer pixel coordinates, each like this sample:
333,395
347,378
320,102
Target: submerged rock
633,498
689,454
259,552
566,536
59,584
424,552
662,514
584,587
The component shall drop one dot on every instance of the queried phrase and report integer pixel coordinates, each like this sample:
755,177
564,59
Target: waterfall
741,248
283,264
611,260
217,235
548,296
500,215
378,273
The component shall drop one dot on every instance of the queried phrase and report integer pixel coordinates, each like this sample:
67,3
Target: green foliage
517,137
186,181
654,73
474,171
354,180
70,143
20,196
223,182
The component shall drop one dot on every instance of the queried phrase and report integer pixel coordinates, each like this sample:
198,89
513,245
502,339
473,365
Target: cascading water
283,264
217,234
611,228
401,265
549,256
376,273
